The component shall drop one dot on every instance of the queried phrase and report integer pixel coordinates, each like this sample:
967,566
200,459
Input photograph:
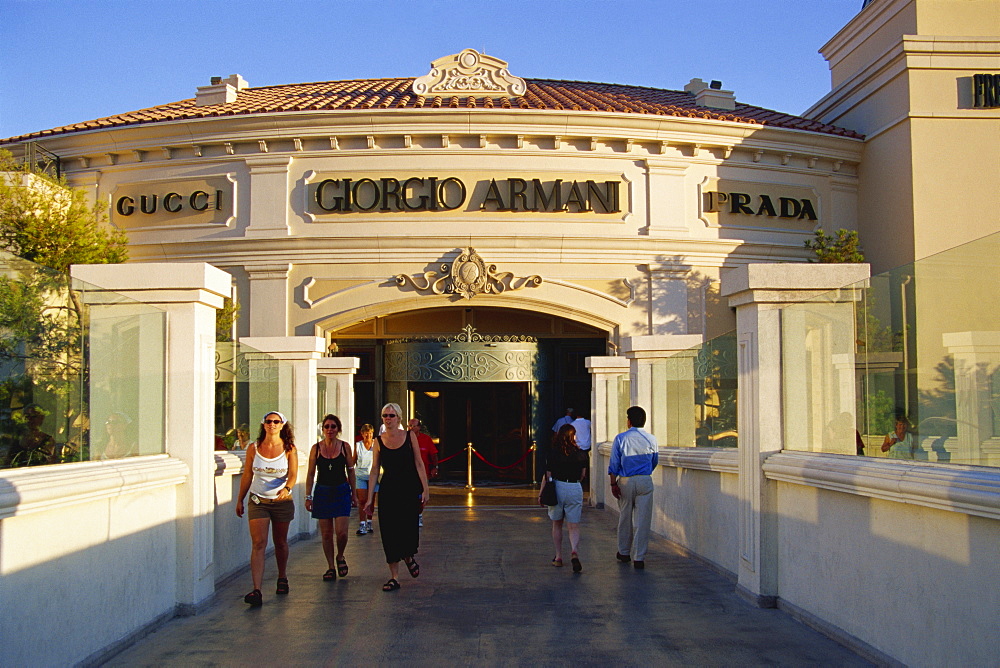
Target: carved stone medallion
467,276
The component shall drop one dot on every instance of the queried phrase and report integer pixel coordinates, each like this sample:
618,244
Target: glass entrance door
492,416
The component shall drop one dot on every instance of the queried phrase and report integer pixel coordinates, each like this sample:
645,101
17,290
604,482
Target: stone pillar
977,358
605,415
666,187
664,387
758,292
339,399
669,301
268,196
298,358
268,299
190,293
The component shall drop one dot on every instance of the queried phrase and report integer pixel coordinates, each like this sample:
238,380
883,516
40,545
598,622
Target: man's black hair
636,415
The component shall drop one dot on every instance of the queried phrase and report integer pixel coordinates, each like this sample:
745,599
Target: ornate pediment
467,276
469,73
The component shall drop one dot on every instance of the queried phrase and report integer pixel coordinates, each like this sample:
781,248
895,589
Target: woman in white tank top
269,474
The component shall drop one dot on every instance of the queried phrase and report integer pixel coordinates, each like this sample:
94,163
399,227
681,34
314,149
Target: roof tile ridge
331,81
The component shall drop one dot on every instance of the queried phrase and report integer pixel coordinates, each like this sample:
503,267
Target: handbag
548,496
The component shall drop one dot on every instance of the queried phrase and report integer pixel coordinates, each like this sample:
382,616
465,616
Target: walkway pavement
487,594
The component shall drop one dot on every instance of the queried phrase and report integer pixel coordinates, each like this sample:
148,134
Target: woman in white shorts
565,469
363,452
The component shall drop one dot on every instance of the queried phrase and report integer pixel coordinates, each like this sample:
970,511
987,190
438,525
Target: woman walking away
269,474
363,457
566,468
402,490
331,465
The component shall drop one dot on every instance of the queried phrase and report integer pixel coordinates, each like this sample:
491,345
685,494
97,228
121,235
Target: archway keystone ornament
469,73
467,276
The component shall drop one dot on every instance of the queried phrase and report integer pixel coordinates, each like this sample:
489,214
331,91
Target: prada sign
519,194
747,204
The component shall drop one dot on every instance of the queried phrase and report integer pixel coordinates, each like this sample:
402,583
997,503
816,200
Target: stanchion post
534,462
468,476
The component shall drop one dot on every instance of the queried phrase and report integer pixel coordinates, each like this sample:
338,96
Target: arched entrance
495,377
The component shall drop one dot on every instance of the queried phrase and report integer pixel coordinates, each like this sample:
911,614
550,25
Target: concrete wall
87,556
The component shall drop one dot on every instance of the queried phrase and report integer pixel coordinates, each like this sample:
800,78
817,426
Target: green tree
842,248
45,221
45,226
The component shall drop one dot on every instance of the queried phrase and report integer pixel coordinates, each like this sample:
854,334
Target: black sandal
330,574
391,585
413,567
341,567
254,598
577,566
282,586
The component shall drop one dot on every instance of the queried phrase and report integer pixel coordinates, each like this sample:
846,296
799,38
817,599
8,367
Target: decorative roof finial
469,73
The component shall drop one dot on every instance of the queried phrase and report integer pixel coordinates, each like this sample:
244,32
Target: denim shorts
570,506
362,483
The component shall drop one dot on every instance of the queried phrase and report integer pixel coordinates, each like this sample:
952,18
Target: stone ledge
720,460
229,462
40,488
972,490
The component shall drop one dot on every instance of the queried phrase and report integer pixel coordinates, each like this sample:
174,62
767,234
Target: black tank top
331,472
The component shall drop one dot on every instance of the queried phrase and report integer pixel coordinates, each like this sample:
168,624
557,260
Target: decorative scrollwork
468,334
469,73
467,276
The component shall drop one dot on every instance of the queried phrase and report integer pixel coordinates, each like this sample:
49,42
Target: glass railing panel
903,366
126,388
248,383
81,369
695,394
43,416
715,392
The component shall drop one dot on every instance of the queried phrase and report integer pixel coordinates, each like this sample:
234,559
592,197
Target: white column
268,299
339,373
659,389
758,292
190,293
298,400
605,414
977,357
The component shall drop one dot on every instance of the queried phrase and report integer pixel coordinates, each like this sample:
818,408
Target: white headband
273,413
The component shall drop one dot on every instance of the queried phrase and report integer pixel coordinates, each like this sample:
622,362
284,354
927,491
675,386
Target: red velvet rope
483,459
501,468
460,452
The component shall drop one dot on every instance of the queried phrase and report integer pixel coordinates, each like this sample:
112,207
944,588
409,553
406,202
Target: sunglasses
272,421
330,426
388,415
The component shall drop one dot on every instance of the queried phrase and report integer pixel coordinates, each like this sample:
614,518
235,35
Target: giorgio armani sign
509,194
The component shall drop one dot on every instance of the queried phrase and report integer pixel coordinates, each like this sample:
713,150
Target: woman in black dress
331,466
401,493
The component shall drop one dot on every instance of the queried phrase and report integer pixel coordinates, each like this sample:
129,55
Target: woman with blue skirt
331,466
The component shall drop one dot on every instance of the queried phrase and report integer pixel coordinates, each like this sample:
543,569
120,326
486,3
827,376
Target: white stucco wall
94,543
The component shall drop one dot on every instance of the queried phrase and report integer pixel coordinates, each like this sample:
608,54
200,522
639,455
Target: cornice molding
962,489
42,488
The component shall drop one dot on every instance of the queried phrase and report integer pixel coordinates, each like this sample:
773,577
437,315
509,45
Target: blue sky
66,61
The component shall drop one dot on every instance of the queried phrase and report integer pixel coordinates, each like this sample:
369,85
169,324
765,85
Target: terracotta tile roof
398,94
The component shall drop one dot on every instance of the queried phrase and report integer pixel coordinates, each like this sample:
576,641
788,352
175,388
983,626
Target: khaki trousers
636,508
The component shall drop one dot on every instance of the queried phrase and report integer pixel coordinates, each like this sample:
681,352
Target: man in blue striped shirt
634,456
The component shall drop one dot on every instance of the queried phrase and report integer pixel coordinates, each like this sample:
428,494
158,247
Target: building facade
578,219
